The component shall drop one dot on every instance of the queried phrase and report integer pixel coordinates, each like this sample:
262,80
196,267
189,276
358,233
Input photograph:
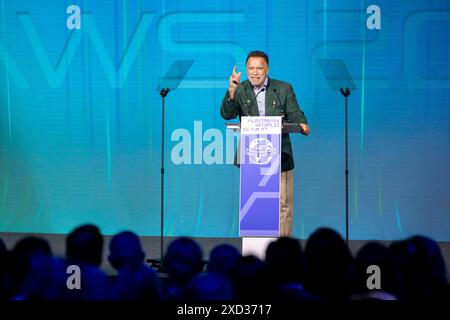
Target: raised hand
235,79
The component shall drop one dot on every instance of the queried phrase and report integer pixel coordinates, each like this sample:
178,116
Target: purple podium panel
260,157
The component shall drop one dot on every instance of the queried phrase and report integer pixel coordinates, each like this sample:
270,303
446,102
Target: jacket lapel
252,109
271,100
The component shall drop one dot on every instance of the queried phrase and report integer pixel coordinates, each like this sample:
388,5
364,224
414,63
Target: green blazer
275,106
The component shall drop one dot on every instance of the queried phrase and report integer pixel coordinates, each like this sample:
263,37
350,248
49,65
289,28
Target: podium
259,158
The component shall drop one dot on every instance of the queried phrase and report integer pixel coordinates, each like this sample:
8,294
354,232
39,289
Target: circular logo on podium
260,151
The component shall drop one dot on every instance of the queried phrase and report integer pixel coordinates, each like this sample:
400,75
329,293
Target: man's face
257,70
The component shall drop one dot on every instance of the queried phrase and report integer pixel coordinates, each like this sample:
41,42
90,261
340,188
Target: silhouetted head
372,253
3,267
3,255
430,259
183,260
85,245
284,258
250,278
125,250
418,269
29,254
328,263
222,259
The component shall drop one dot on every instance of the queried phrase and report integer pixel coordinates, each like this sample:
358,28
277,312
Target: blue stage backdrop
80,117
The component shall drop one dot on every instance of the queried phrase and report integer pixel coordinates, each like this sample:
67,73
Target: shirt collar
264,85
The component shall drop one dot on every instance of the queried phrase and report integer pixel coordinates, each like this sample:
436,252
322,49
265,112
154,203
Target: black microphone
256,96
279,101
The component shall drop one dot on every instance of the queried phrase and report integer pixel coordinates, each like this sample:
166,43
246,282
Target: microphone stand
346,93
163,95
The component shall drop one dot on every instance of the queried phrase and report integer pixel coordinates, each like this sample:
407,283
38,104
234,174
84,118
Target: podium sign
260,158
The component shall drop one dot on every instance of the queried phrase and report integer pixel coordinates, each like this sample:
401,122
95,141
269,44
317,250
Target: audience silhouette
135,280
411,269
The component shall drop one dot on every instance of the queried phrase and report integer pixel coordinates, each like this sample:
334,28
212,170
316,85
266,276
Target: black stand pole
163,95
346,93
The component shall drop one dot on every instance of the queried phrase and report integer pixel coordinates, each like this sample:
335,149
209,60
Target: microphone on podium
256,96
253,101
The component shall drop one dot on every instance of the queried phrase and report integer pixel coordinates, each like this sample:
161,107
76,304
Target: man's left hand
305,128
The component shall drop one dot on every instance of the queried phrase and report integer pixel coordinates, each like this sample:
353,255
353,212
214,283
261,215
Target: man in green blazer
261,96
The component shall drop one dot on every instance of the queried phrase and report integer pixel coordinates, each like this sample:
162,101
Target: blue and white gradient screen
80,116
